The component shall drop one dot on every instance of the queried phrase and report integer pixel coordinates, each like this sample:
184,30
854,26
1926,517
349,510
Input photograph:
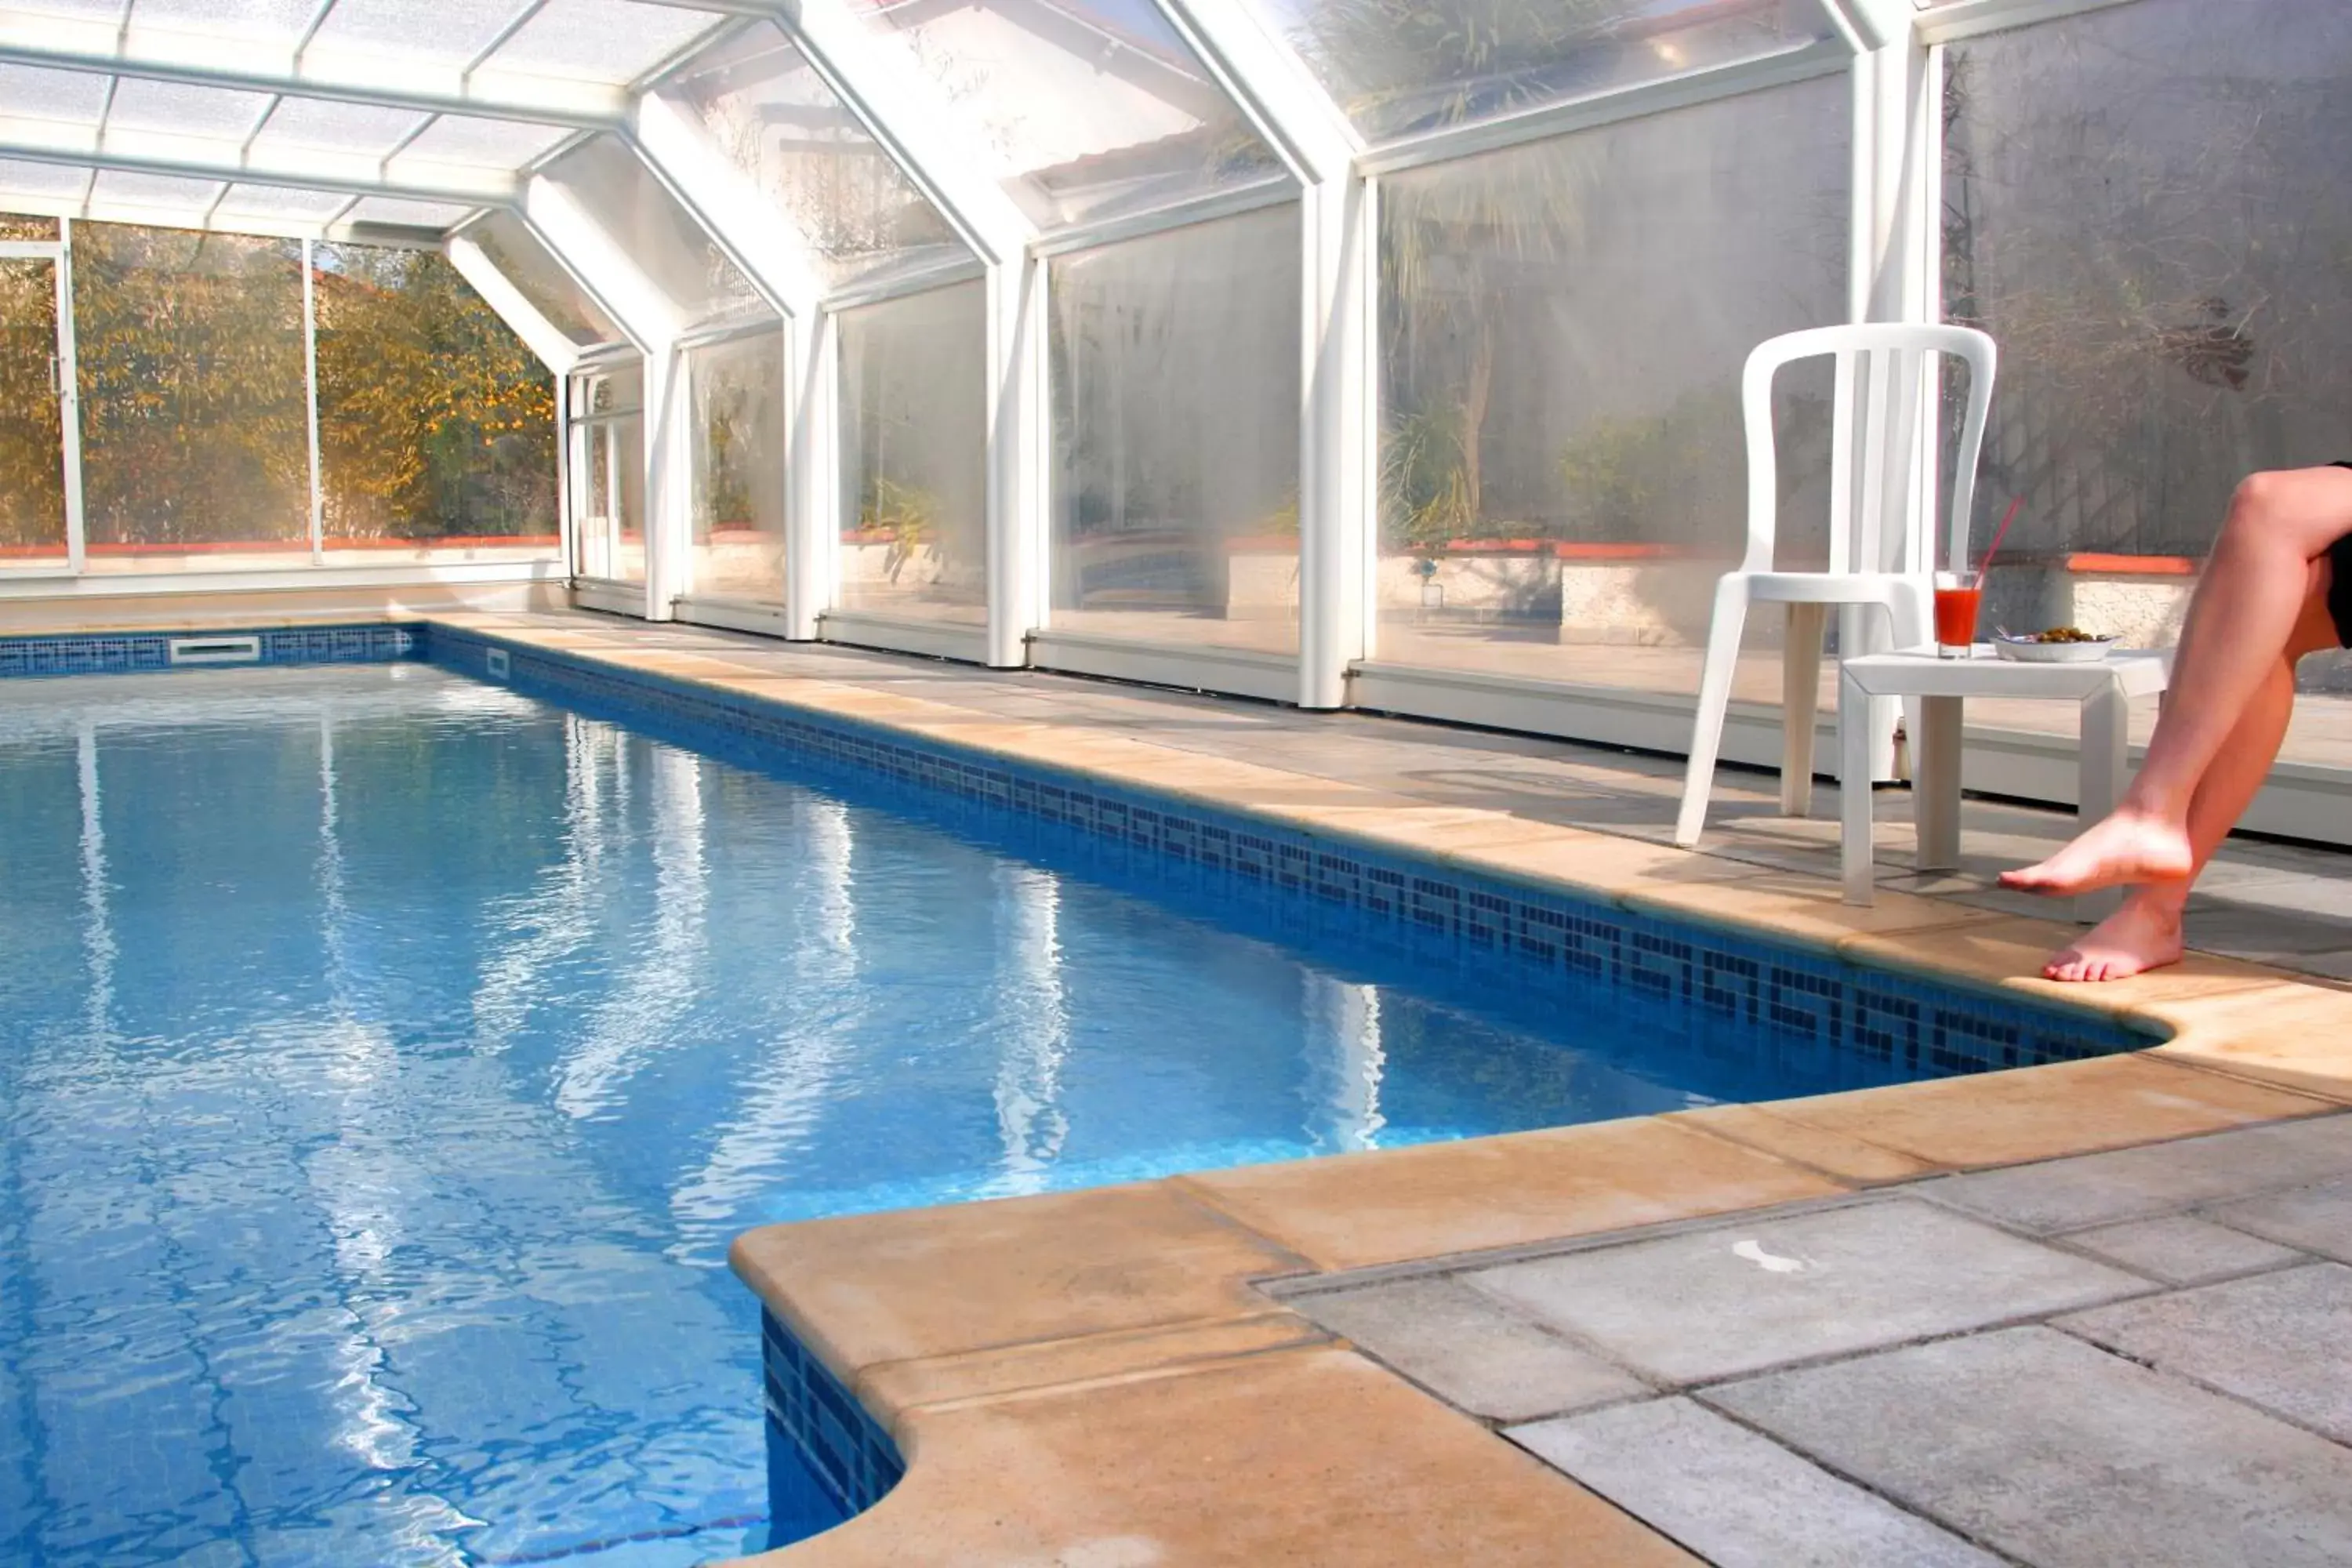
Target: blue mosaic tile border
1794,1003
842,1450
117,653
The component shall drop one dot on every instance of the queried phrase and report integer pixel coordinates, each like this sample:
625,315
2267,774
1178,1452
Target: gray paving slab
2181,1250
2279,1341
1718,1302
2316,1218
2057,1453
2154,1179
1735,1497
1468,1349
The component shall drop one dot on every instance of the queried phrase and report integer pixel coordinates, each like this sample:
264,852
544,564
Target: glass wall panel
32,437
676,252
1562,329
1398,67
539,279
1176,401
608,474
739,446
774,118
437,427
2149,211
914,462
1090,108
195,447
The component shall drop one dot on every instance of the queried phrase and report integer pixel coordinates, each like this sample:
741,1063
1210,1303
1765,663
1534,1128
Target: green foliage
1420,64
32,476
908,513
1424,496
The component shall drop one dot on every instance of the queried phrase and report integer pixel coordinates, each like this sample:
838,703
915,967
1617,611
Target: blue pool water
386,1061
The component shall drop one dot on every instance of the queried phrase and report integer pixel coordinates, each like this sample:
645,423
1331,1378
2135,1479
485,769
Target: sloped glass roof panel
52,181
454,31
771,116
676,252
1402,67
365,128
539,278
495,143
1091,108
101,10
282,202
279,21
39,93
152,190
219,113
614,41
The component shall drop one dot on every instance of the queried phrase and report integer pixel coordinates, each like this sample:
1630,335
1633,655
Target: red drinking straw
1997,535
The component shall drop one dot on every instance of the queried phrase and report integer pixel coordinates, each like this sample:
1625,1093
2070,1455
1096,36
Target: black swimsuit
2339,584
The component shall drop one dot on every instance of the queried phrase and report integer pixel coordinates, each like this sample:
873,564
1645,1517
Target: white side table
2102,690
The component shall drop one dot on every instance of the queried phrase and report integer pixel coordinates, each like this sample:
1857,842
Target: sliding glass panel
771,114
1176,364
608,478
32,436
437,427
2148,212
1398,67
914,464
738,388
1088,107
195,446
1562,329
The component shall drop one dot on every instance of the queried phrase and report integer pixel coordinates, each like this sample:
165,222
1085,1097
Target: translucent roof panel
1400,67
599,40
365,128
279,202
504,144
774,117
277,21
414,215
39,93
660,237
217,113
50,182
1091,108
539,278
418,30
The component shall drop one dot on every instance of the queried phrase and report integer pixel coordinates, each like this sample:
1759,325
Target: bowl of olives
2059,644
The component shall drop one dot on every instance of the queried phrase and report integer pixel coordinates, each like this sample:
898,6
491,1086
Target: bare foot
2117,849
2143,935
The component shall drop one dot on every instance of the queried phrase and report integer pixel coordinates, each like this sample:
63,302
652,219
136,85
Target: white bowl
2025,652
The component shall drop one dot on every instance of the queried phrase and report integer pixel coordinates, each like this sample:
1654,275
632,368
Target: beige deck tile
893,1387
914,1284
1599,864
1787,906
1308,1456
2046,1112
2296,1034
1351,1211
1837,1154
2009,952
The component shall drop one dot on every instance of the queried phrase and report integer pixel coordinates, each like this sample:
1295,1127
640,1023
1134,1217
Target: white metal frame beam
193,157
167,54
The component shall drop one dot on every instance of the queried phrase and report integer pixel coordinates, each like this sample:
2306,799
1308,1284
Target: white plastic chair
1881,383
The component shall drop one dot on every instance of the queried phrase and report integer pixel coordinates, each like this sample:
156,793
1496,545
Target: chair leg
1714,702
1857,848
1801,696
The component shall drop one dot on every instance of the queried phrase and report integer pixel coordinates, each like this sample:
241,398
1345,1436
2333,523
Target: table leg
1935,782
1855,851
2105,755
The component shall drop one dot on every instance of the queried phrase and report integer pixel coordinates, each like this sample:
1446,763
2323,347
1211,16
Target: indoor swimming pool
388,1057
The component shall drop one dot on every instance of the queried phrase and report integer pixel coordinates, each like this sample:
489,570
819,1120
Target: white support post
886,92
813,522
1338,417
558,353
654,323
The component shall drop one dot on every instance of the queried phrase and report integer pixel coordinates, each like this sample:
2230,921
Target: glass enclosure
32,426
1175,371
1561,332
661,238
194,423
608,473
737,388
541,280
437,428
913,473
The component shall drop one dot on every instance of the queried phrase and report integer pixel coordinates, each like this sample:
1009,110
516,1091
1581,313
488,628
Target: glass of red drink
1958,595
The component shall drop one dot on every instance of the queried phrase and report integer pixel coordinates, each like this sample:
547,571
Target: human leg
2144,933
2256,591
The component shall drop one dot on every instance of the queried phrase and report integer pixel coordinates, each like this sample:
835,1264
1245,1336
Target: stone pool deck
2085,1312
